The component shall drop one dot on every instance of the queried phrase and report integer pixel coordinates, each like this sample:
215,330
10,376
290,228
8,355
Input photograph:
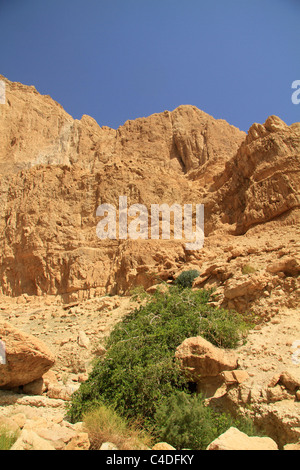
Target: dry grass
7,438
104,425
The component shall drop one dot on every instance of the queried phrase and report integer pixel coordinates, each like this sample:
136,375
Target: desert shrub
7,438
186,278
185,422
103,424
248,269
139,370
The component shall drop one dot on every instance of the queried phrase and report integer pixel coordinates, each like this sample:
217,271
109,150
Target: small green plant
184,421
7,438
248,269
186,278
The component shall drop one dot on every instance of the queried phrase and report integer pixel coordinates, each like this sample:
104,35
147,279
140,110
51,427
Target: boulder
233,439
79,442
290,379
163,446
199,358
29,440
27,358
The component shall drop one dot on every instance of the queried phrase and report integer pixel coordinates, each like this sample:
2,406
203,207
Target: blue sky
122,59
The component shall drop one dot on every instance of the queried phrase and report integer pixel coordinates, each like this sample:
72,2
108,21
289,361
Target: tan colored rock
277,393
295,446
37,387
27,358
79,442
235,376
83,340
287,265
291,379
49,379
163,446
29,440
245,287
233,439
19,419
108,446
59,392
199,358
59,436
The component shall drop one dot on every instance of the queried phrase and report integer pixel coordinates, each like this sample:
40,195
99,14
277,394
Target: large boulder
199,358
29,440
27,358
233,439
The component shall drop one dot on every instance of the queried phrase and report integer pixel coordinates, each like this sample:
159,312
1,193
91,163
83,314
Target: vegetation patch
185,422
186,278
103,424
7,438
139,372
248,269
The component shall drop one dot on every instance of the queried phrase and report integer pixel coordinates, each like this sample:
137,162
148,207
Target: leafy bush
186,278
185,422
103,424
139,370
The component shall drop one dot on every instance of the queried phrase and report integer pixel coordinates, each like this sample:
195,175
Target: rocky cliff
55,171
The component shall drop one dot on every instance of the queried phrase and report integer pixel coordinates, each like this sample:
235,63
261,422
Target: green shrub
139,370
187,278
185,422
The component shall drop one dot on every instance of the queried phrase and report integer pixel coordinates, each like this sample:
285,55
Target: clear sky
122,59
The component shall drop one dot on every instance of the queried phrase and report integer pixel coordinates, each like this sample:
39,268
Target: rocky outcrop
233,439
199,358
27,358
261,182
56,171
40,434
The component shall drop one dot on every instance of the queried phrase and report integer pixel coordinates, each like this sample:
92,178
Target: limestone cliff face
56,171
261,182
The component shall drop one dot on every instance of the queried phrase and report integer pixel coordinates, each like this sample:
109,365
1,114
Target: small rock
163,446
108,446
290,379
83,340
79,442
37,387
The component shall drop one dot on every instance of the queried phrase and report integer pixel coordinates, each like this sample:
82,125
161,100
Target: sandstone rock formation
55,176
233,439
27,358
199,358
55,171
